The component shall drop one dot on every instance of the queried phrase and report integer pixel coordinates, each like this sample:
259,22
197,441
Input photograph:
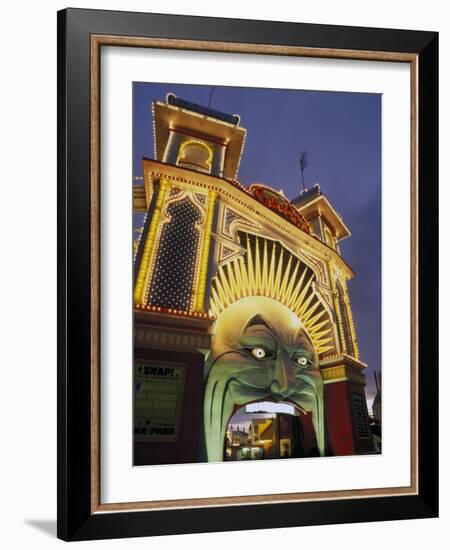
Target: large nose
283,382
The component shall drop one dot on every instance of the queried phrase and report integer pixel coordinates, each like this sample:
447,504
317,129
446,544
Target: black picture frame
76,520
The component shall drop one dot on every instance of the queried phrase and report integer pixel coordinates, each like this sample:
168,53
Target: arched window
173,278
195,155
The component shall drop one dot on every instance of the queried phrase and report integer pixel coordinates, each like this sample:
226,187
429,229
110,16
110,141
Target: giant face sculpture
260,351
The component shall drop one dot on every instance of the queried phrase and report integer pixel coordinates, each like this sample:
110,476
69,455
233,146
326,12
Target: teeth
270,407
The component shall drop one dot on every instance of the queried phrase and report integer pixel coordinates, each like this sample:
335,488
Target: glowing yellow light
144,272
204,254
247,276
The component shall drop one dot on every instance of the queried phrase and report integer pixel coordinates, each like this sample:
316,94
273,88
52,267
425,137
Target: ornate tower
197,150
342,372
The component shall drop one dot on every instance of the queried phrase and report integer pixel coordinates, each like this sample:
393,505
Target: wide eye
302,361
259,353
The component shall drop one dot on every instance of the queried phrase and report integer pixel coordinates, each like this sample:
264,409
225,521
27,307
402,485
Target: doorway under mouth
269,430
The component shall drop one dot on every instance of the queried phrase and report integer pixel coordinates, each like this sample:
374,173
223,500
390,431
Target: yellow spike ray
317,327
251,270
297,305
221,289
276,284
245,276
310,311
297,290
284,283
265,270
239,279
324,349
305,304
321,334
215,309
291,283
226,287
271,273
216,300
321,343
310,324
257,268
222,294
231,278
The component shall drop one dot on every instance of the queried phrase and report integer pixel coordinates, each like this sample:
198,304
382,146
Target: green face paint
260,351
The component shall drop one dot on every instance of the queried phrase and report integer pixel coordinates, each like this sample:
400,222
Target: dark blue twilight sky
341,133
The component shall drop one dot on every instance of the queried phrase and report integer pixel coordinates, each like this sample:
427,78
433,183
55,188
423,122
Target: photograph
247,274
233,232
256,273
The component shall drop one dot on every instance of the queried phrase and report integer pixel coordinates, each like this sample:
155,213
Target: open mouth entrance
266,430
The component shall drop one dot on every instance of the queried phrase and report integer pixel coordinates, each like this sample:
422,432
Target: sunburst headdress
268,269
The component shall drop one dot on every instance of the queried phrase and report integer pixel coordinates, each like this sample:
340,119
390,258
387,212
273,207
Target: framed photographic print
247,274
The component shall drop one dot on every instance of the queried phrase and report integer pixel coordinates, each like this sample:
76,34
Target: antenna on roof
303,163
210,96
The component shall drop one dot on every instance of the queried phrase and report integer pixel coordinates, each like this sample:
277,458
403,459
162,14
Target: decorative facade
208,243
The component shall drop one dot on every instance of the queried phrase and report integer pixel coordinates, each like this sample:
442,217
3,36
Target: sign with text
277,202
158,396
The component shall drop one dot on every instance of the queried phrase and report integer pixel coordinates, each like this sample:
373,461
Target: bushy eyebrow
306,342
252,340
259,320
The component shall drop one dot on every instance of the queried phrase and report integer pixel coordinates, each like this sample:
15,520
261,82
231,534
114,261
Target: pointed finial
303,163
